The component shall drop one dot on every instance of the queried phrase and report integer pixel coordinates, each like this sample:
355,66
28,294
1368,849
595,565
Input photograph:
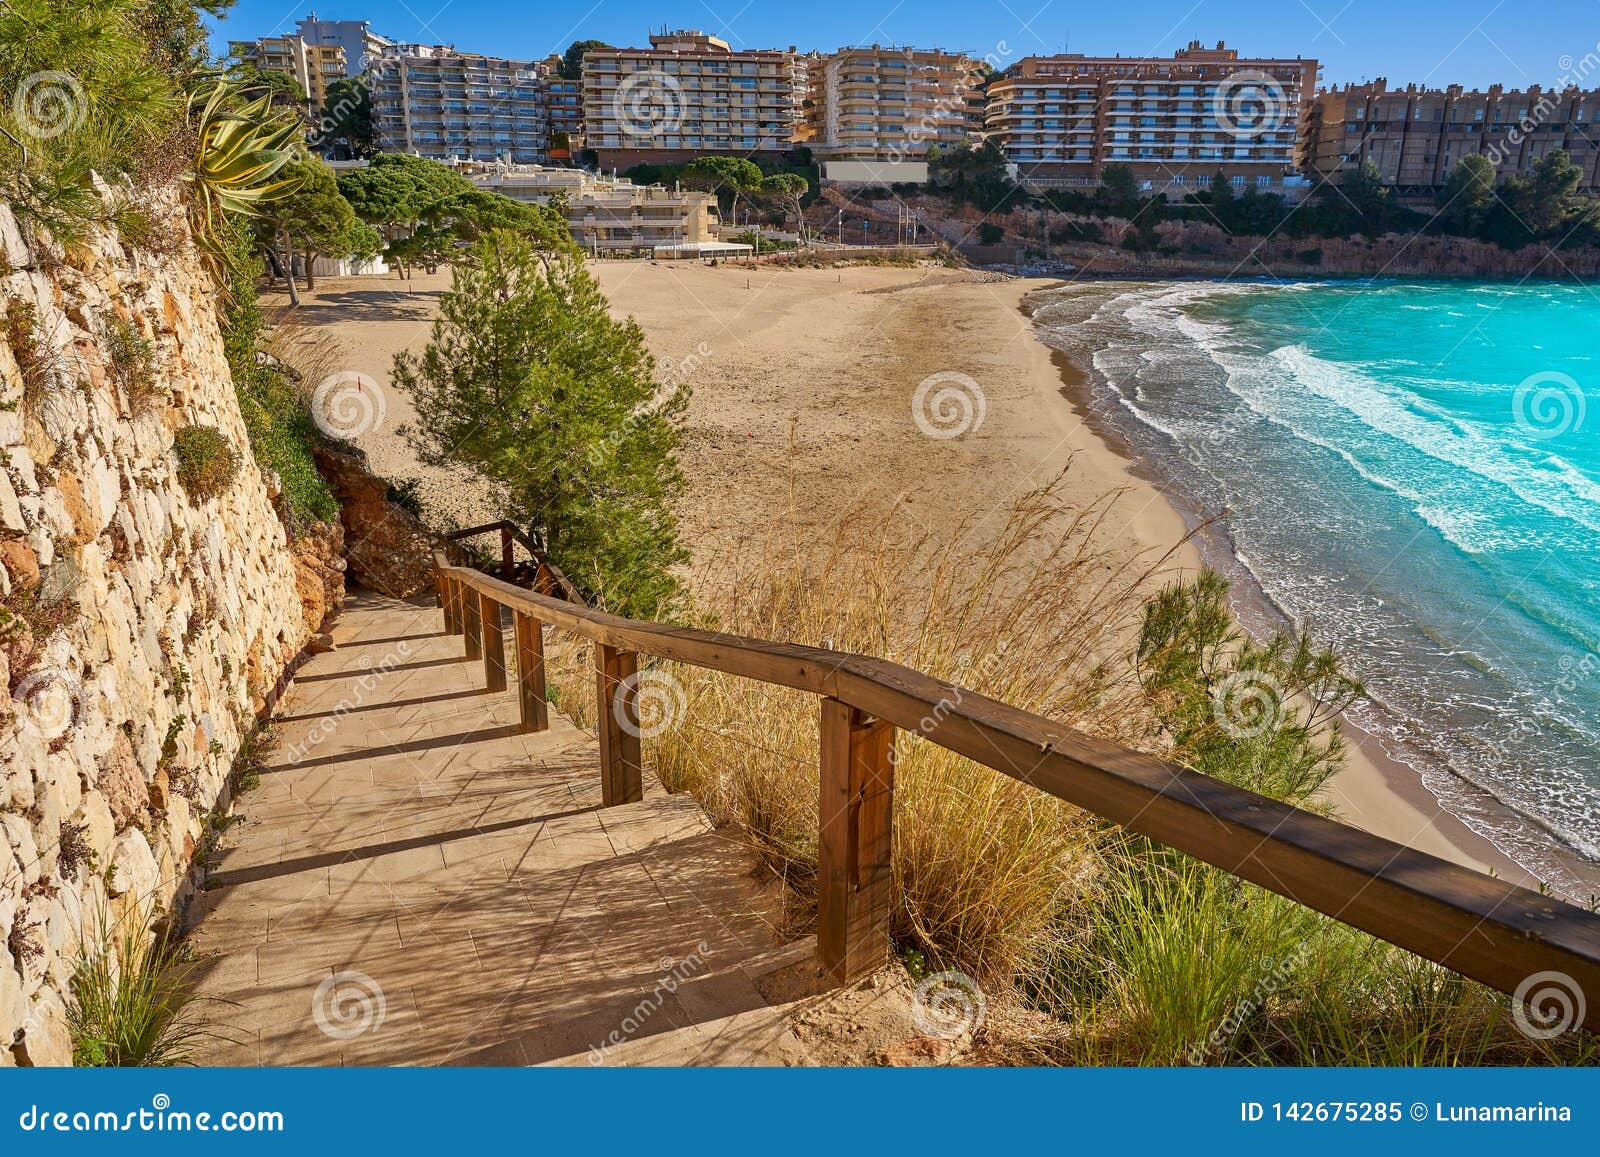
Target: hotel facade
690,94
1174,121
1415,136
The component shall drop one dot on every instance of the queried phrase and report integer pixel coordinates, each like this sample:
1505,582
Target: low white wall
875,172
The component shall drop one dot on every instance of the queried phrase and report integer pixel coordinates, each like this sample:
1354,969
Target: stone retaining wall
144,628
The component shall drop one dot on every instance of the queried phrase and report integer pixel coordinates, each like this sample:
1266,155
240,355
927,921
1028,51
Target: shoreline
1374,790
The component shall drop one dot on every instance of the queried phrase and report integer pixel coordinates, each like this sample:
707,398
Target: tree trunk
311,278
272,260
288,270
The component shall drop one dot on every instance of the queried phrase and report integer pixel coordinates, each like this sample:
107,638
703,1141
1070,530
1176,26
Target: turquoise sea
1412,470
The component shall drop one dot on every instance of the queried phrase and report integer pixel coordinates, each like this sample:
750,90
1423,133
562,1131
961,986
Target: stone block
134,867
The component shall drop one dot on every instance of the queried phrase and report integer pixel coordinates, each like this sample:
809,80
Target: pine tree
315,220
1468,195
531,384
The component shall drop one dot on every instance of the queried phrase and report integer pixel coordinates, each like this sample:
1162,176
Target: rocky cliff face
145,620
1200,249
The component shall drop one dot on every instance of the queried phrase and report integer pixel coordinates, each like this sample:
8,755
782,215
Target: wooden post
530,673
494,644
446,603
471,622
854,870
507,557
621,770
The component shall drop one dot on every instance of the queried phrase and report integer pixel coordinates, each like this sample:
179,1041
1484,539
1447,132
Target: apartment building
361,46
564,101
1416,135
318,53
875,110
1174,121
611,214
689,94
313,66
460,106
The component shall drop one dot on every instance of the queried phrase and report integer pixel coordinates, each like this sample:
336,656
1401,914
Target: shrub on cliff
531,384
207,461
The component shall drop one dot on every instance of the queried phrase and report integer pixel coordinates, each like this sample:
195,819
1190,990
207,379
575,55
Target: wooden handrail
1488,929
510,532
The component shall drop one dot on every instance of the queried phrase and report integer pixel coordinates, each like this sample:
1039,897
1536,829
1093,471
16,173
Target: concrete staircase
416,882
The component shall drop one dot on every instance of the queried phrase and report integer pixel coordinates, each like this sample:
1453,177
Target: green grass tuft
207,462
131,1003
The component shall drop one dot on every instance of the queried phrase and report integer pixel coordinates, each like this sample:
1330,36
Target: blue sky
1472,42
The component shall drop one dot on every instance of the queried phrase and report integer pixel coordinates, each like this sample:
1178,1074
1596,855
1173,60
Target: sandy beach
805,385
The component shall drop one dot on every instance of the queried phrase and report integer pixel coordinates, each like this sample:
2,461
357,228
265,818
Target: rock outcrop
387,547
142,628
1202,249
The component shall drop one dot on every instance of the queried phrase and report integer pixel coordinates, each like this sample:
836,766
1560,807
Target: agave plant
243,148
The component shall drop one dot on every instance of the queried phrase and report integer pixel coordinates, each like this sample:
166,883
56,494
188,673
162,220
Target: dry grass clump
980,859
1143,955
131,361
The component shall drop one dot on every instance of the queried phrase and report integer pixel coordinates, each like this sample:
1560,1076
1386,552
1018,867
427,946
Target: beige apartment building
875,110
611,214
1416,135
314,66
318,53
689,94
1174,121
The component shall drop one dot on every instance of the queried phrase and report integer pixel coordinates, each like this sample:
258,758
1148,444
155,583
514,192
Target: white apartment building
460,106
690,94
610,214
361,46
